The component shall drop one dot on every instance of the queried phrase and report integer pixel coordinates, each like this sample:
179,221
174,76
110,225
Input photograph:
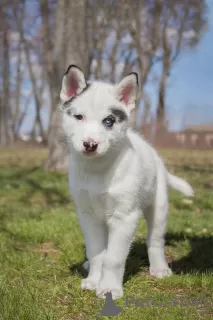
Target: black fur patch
68,102
119,114
136,76
74,67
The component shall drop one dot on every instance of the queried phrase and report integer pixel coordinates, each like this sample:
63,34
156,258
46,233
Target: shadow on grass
78,268
30,178
199,259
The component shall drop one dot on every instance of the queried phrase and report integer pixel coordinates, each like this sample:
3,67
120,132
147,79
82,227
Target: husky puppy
115,176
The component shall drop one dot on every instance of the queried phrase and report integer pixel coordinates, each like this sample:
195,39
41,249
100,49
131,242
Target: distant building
25,137
194,137
39,139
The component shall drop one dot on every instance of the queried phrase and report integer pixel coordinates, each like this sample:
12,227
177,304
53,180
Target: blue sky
190,87
189,96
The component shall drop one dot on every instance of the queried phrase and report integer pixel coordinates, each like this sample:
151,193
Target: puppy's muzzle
90,146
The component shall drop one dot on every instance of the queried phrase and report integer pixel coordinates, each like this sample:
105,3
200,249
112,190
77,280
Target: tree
4,76
182,27
70,47
107,39
142,37
19,15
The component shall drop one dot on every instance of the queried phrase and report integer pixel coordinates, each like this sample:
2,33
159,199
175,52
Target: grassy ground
42,248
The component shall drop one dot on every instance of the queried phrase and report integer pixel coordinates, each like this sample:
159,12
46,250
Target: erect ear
127,90
73,83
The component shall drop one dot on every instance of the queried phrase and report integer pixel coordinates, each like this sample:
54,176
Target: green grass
42,248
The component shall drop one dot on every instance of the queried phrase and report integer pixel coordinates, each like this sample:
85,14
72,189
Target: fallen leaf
187,201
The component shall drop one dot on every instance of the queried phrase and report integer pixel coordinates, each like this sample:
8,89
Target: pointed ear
127,90
73,83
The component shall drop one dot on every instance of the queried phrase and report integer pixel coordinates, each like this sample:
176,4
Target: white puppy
114,177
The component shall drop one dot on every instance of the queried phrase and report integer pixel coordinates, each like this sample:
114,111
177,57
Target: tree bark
70,48
31,73
5,94
162,91
16,112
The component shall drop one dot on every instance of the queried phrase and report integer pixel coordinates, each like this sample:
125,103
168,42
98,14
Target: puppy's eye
109,121
78,116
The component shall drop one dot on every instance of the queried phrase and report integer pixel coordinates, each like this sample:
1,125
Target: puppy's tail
180,185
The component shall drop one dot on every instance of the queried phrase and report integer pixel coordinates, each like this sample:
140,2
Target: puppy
114,177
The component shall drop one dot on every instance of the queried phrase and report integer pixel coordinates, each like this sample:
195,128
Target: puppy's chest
99,204
95,196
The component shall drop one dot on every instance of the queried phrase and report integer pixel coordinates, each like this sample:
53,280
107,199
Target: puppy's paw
89,284
160,273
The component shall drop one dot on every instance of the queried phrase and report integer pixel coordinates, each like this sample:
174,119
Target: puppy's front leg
121,232
95,234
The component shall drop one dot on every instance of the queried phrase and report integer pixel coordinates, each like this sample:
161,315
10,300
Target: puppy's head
95,116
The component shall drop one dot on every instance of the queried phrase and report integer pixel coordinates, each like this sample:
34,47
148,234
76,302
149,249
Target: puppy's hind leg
156,217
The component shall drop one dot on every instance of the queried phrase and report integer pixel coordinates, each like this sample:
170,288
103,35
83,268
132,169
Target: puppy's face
95,116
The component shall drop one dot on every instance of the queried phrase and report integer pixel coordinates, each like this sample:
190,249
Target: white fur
112,188
180,185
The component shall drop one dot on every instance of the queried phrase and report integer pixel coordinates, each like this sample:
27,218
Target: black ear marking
127,90
73,82
72,66
136,76
67,103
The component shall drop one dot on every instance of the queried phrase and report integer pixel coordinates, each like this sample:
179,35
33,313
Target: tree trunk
161,112
31,72
70,48
5,94
16,112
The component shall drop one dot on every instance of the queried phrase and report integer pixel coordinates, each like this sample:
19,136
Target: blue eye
109,121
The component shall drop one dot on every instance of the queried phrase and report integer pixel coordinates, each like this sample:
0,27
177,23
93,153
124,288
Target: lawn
42,248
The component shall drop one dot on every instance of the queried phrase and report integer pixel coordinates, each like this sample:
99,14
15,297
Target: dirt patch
46,248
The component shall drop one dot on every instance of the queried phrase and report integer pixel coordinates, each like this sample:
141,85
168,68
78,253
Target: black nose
90,146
